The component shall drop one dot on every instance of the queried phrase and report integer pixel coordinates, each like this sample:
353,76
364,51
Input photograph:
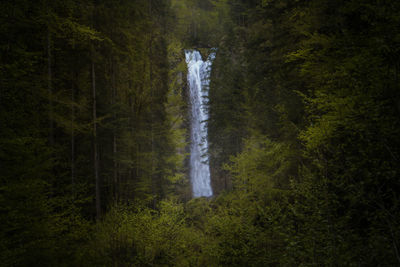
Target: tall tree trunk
95,145
73,139
49,88
115,176
95,148
114,96
153,191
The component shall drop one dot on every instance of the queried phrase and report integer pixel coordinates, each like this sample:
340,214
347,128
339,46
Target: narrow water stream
198,78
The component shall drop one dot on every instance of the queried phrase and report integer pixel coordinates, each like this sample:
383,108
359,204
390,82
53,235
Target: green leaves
143,236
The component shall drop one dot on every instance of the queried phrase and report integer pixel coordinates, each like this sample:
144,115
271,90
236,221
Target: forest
303,133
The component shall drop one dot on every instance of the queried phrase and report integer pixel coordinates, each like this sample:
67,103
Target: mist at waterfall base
198,79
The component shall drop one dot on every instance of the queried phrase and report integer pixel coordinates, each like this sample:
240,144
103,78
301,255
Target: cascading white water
198,78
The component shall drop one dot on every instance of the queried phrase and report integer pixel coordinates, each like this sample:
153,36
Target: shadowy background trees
304,130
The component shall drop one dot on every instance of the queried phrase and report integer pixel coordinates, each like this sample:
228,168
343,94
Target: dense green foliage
89,117
304,133
310,111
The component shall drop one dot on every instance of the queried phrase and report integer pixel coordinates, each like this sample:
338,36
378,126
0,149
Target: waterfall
198,78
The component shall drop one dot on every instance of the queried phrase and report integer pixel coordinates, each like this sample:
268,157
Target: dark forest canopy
304,133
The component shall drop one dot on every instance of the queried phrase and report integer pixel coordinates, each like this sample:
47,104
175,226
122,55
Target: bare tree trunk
73,139
116,193
49,88
152,177
95,145
95,148
114,96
